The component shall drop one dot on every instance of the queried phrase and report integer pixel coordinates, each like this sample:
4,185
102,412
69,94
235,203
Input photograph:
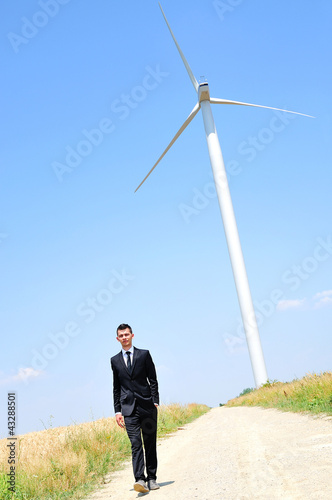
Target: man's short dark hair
123,326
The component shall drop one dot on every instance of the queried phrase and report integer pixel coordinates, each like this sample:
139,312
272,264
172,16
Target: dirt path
239,453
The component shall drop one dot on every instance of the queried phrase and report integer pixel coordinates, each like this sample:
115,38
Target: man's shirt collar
131,350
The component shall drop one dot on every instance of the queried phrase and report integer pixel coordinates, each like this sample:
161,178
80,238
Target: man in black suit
136,397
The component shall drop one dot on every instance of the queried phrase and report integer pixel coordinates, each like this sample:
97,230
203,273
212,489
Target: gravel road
239,453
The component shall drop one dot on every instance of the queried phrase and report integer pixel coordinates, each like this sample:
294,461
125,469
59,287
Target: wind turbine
227,212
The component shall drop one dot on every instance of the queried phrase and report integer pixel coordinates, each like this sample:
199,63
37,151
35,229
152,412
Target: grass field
67,462
312,393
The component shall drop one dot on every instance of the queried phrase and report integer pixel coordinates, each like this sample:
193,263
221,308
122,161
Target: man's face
125,338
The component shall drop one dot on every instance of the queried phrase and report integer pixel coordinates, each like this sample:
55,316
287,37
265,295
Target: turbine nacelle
203,92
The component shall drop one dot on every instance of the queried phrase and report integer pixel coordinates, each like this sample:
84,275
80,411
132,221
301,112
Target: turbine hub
203,92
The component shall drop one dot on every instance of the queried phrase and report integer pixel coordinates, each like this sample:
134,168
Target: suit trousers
143,422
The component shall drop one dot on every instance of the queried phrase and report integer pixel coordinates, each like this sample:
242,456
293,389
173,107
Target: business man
136,397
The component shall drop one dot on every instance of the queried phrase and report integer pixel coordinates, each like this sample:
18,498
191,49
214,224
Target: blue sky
91,96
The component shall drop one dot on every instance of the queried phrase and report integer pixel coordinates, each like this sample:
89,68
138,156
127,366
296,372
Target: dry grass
65,462
312,393
64,458
172,416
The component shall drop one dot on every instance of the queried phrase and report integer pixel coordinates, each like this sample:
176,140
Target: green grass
66,463
312,394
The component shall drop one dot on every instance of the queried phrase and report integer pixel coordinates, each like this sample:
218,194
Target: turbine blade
190,73
214,100
186,123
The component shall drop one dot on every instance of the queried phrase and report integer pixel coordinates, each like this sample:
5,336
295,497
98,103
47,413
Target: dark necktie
128,361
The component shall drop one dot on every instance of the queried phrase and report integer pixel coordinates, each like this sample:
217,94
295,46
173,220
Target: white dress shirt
125,357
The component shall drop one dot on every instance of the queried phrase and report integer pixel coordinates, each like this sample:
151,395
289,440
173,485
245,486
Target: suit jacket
140,385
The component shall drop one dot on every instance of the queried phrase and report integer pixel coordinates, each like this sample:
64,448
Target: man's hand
119,420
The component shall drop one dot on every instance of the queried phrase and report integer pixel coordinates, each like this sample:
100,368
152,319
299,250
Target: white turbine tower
227,212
